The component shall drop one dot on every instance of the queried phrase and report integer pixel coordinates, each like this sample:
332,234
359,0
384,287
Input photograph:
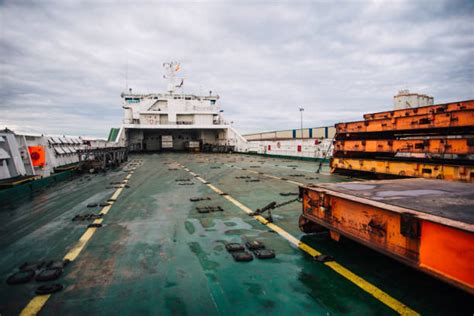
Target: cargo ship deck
155,254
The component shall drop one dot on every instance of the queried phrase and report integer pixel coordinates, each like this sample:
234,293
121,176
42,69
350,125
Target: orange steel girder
438,108
459,146
437,249
405,168
463,118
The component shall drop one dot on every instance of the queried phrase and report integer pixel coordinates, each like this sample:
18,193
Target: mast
174,82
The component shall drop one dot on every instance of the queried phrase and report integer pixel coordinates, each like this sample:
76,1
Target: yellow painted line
215,189
371,289
35,305
201,179
238,204
76,250
98,221
294,182
117,193
368,287
106,209
273,177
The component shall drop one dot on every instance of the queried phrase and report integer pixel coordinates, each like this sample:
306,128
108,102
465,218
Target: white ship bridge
174,120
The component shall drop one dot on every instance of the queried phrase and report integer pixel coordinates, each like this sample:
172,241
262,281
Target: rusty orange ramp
431,170
427,224
410,124
430,109
457,146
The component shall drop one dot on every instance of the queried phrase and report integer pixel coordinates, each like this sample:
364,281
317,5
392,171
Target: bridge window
132,100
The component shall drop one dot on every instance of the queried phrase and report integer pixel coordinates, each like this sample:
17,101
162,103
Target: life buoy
38,156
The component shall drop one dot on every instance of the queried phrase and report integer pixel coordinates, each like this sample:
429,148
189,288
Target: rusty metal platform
428,224
411,124
438,108
442,146
430,169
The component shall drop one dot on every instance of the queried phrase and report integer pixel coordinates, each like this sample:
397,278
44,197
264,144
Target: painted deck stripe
373,290
269,176
294,182
36,303
368,287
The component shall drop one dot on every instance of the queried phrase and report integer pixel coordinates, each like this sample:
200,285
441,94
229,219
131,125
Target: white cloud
63,64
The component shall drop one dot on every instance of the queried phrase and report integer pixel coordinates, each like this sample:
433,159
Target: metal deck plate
447,199
156,255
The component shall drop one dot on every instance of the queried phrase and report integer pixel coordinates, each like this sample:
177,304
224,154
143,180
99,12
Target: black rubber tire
49,274
21,277
32,265
254,245
233,247
49,288
264,254
92,205
242,256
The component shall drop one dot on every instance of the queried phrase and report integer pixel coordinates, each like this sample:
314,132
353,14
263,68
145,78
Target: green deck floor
156,255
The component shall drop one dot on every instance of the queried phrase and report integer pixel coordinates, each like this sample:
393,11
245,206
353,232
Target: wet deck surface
156,255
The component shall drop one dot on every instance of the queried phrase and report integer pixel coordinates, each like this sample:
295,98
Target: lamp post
301,113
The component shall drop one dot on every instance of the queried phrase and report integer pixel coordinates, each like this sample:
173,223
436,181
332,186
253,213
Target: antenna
171,69
126,75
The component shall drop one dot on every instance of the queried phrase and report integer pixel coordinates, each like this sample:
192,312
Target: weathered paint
458,146
405,168
439,245
464,118
157,255
438,108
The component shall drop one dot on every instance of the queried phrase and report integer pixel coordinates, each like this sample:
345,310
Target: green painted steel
18,193
113,134
156,255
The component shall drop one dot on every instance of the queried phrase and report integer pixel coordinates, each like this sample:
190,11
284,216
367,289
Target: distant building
405,100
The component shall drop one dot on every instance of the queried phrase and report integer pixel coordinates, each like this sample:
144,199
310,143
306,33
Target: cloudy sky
63,64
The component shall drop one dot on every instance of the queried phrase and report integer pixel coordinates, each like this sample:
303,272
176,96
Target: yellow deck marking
371,289
368,287
215,189
76,250
294,182
273,177
106,209
201,179
37,302
117,193
35,305
269,176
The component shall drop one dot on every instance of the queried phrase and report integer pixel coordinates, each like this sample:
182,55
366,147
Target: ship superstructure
175,121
